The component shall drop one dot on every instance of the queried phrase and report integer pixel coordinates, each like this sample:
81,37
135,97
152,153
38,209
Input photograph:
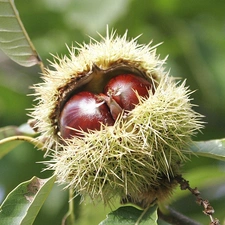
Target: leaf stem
29,139
143,213
70,217
42,66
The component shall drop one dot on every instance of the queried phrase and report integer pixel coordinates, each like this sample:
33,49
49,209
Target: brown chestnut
83,111
123,88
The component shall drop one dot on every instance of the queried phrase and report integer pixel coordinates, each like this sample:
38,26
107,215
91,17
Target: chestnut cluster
87,111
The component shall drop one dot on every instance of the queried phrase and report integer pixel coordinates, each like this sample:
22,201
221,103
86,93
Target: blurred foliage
193,34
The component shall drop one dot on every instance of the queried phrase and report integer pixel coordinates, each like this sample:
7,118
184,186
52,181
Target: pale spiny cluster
136,154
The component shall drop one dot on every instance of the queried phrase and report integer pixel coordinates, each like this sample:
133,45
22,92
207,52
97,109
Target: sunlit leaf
22,205
130,215
212,149
14,40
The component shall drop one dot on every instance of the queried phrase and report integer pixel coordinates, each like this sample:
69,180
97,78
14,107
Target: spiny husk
137,158
138,154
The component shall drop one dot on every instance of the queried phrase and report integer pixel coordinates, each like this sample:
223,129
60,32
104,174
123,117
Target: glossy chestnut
83,111
123,89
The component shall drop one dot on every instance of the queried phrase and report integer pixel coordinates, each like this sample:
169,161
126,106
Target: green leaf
7,146
14,40
22,205
12,136
211,149
23,129
129,215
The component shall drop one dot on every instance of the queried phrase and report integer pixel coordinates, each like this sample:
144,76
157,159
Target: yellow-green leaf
14,40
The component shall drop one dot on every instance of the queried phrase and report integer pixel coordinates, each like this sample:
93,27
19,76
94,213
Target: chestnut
83,111
87,111
123,88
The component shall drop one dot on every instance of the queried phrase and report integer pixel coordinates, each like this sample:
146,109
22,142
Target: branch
176,218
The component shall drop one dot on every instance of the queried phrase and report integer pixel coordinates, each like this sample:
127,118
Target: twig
176,218
42,66
208,209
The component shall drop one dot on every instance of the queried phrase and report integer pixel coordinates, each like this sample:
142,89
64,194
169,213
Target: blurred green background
193,35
